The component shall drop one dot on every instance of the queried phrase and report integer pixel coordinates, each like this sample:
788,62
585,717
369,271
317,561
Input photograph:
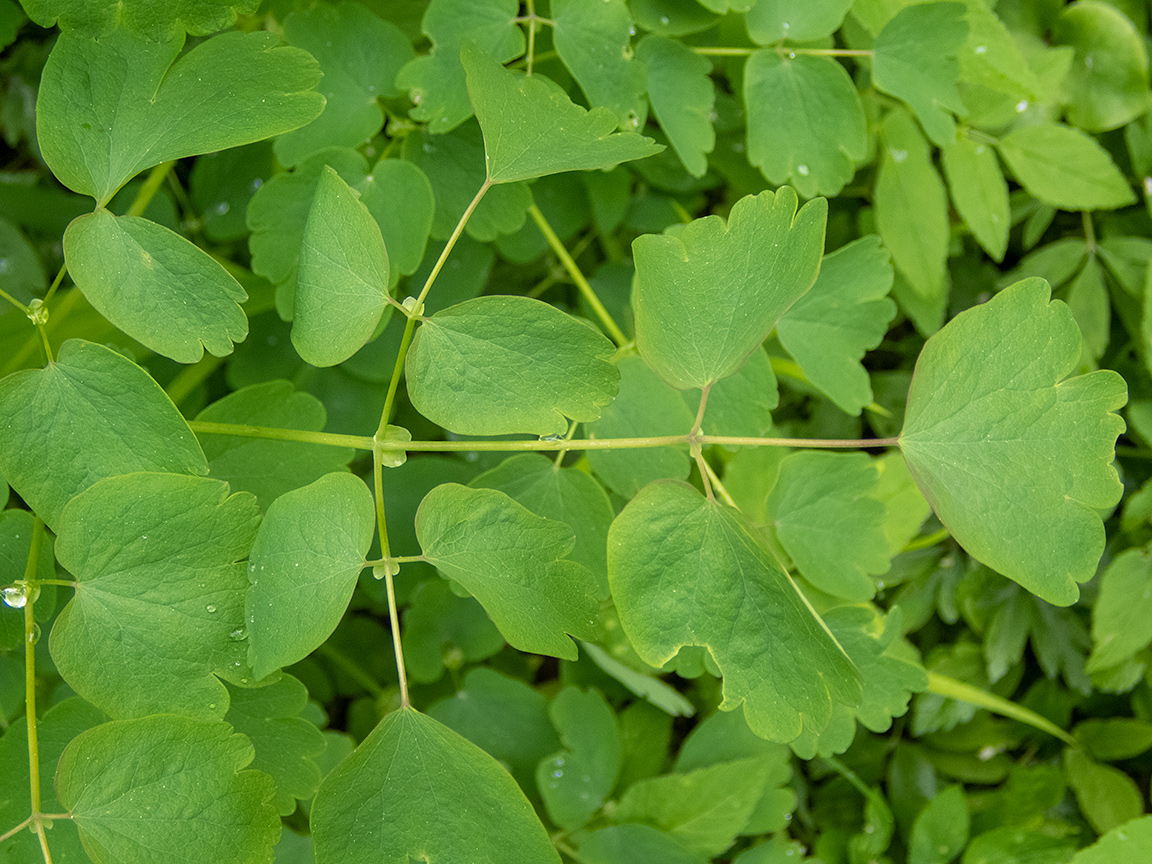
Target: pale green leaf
156,286
303,567
1107,796
1087,297
1111,739
682,98
566,495
740,404
1065,168
151,18
632,842
575,782
285,743
1122,615
435,81
827,520
707,298
979,192
940,832
531,127
672,17
662,695
110,107
912,207
806,124
158,615
593,41
1014,459
993,58
704,809
499,364
67,426
904,504
400,199
770,21
265,467
513,562
342,282
644,407
688,571
359,54
1108,83
415,790
443,630
1131,841
846,313
915,59
169,790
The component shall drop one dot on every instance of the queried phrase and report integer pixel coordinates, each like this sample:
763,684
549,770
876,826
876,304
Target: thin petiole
714,479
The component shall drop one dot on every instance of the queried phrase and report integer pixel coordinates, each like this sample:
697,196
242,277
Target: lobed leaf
153,19
682,97
1014,459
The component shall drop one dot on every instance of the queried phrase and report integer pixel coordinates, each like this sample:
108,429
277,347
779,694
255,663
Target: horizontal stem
362,442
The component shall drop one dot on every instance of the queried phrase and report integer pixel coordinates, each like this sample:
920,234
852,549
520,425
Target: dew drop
222,208
255,184
802,170
1148,185
15,596
417,95
1089,61
210,608
898,155
1021,106
557,774
664,22
143,536
785,26
981,49
237,635
5,265
34,636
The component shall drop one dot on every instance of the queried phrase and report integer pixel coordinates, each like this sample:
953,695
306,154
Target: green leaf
682,96
593,41
414,790
1088,299
740,404
979,192
111,107
221,185
342,283
531,127
285,743
707,298
846,313
1108,83
262,466
444,630
1122,615
770,21
644,407
303,566
1107,796
497,365
1114,738
1065,168
156,286
941,830
511,561
704,809
688,571
1014,459
435,81
151,18
1131,841
912,207
503,716
360,55
159,608
660,694
827,520
83,397
566,495
1011,845
167,789
400,199
59,725
575,782
631,842
806,124
992,57
455,166
915,59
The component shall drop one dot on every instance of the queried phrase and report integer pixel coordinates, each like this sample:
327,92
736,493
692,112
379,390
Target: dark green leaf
705,299
682,98
444,630
1015,459
304,564
168,789
156,286
1107,796
414,790
575,782
498,365
512,561
81,398
531,127
687,571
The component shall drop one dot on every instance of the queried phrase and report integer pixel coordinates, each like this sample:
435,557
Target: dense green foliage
431,446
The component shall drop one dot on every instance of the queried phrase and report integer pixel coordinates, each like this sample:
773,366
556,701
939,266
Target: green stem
577,276
714,478
723,51
30,568
390,567
352,669
942,685
1089,231
531,7
395,559
56,282
190,377
330,439
152,184
418,308
5,295
927,540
